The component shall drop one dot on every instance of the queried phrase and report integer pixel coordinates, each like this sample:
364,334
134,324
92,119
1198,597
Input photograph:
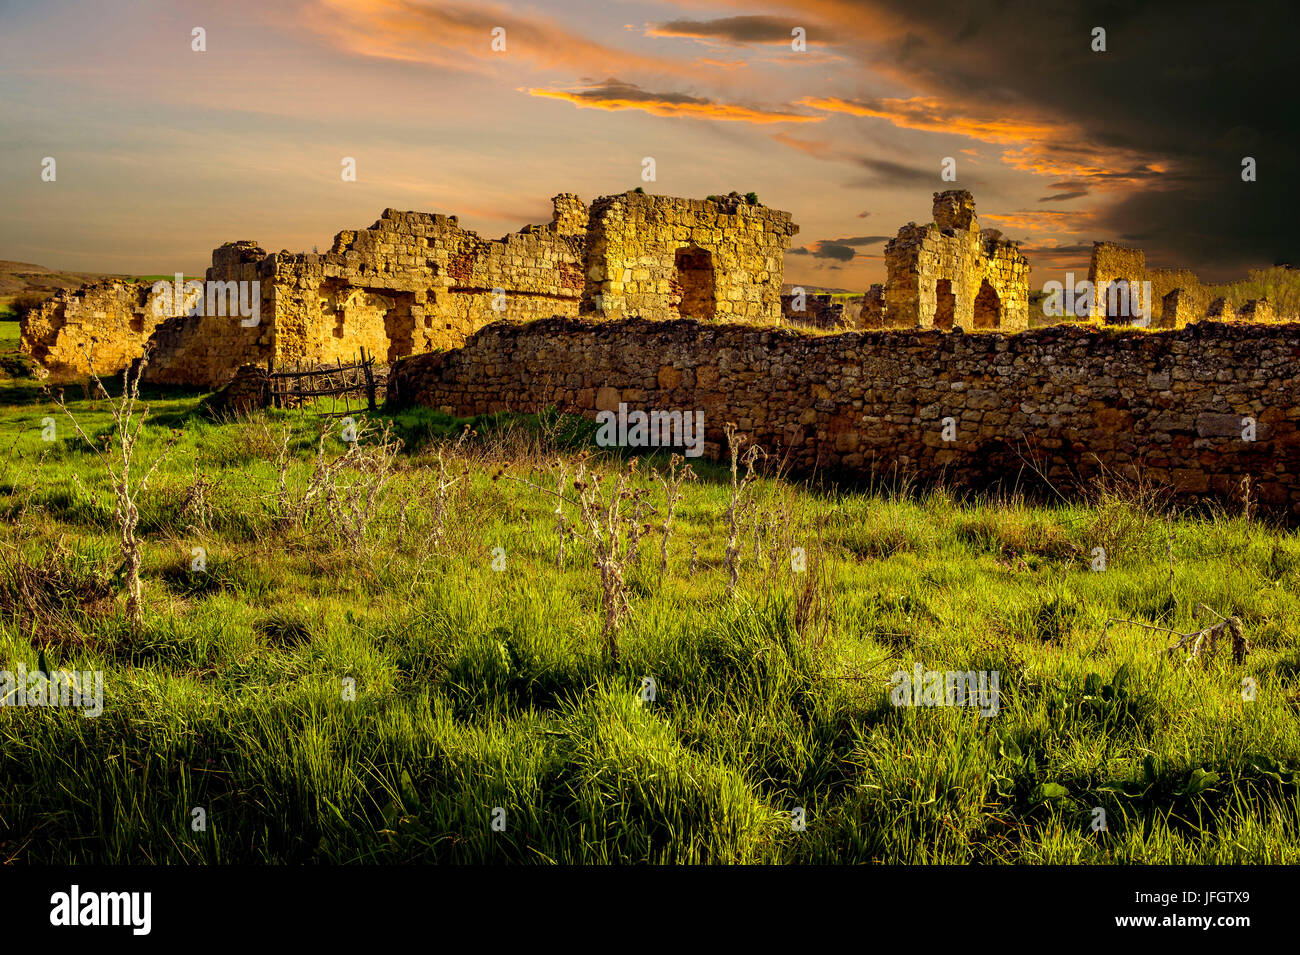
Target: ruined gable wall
632,266
1071,399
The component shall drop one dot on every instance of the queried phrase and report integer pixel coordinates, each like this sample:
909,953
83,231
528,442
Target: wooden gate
361,381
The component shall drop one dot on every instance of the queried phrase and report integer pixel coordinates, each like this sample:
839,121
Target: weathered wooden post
368,370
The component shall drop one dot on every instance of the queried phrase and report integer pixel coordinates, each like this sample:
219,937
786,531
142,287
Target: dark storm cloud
827,249
1200,84
747,29
889,173
1063,196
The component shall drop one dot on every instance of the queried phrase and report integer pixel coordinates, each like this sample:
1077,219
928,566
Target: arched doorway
945,304
988,307
1120,307
694,283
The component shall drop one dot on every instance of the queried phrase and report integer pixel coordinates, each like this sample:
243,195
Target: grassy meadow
364,653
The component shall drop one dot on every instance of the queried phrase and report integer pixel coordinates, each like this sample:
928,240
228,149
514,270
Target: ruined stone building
948,274
1122,282
1117,275
416,282
660,258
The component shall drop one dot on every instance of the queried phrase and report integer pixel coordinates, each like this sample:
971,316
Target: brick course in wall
1072,400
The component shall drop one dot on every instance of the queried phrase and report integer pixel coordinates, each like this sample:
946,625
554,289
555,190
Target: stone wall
873,307
1257,310
948,275
661,258
1177,309
1110,265
1071,399
205,348
105,324
413,282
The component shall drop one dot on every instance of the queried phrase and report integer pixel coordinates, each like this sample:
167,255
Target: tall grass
416,702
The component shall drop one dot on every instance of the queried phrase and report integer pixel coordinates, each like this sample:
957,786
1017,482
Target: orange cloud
815,148
926,113
615,95
1042,148
1036,220
460,36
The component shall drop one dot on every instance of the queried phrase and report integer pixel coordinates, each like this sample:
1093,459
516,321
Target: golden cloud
615,95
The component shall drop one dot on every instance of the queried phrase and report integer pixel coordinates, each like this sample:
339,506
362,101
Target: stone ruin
948,275
417,282
1116,274
661,258
1114,268
110,321
803,309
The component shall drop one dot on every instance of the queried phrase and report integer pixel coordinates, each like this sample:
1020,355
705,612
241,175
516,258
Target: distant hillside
24,278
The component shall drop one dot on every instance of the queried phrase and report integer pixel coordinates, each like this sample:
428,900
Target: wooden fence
362,380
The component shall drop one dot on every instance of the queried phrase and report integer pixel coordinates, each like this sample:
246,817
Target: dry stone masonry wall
1117,274
1178,406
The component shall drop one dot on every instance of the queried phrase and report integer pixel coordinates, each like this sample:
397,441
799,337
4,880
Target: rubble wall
1072,400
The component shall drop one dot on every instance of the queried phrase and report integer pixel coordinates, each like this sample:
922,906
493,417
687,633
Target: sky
163,152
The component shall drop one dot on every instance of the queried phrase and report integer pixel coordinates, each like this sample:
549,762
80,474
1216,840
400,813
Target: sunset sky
163,152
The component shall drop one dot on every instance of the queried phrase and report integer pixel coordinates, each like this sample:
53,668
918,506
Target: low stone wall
1202,408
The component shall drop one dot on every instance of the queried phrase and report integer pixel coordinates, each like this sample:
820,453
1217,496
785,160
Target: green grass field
365,683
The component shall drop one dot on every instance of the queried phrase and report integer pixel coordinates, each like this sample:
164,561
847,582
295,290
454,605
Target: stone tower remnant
947,274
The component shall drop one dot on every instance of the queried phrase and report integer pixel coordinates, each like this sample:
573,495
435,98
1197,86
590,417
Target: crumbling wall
1221,310
1072,400
815,311
1257,310
1110,265
205,348
415,282
1163,281
1177,309
412,282
661,258
105,324
873,307
948,275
